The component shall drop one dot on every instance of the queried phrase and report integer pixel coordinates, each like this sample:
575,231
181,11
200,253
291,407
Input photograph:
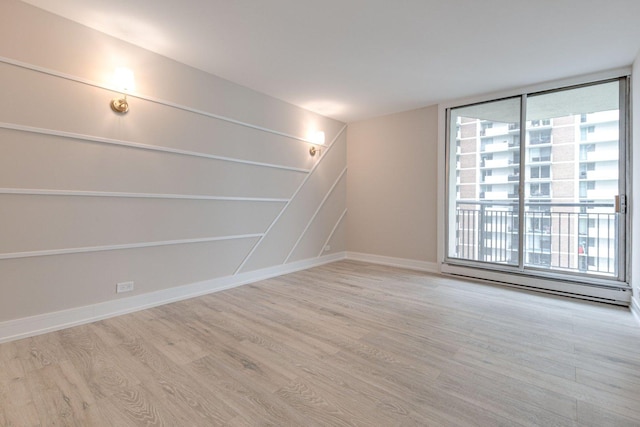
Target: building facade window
541,171
584,132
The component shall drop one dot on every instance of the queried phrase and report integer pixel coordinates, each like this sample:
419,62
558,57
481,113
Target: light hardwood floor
343,344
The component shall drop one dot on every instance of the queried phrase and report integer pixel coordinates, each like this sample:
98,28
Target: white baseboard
430,267
635,309
572,289
35,325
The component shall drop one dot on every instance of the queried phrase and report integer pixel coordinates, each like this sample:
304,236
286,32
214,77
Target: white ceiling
356,59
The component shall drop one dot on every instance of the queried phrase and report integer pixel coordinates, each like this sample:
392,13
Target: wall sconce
123,79
318,139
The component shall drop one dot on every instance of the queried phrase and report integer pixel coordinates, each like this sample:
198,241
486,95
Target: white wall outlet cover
124,287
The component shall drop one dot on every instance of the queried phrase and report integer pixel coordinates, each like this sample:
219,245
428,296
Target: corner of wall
635,309
635,186
391,187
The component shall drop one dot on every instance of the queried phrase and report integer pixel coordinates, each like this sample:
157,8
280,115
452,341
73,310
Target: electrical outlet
124,287
327,248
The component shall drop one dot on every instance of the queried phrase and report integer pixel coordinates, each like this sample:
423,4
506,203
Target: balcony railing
576,237
540,159
541,140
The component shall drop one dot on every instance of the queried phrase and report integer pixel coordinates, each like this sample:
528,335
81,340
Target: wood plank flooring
346,344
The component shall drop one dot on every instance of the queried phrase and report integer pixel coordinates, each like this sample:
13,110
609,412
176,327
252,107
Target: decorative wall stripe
91,138
74,193
87,82
315,214
67,251
284,208
333,230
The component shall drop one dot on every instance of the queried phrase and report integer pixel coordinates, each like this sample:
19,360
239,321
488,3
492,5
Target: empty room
331,213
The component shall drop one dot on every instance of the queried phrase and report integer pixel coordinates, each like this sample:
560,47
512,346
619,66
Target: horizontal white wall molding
140,146
315,214
88,82
67,251
300,187
333,230
74,193
49,322
411,264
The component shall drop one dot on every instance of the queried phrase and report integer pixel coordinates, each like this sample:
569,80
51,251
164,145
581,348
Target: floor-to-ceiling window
536,184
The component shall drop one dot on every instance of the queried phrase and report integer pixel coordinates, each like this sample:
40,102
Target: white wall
635,185
166,195
392,188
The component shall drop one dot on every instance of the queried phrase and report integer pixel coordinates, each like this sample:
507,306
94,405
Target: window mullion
523,172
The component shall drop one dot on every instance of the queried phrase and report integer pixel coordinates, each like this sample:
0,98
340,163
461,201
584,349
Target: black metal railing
579,237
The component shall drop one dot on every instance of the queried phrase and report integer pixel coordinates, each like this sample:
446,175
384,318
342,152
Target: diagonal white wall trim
313,217
91,138
88,82
429,267
30,326
75,193
333,230
66,251
284,208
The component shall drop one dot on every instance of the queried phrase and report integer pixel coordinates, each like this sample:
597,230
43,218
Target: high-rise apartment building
568,184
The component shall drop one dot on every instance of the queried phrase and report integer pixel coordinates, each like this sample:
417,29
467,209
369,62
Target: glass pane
484,173
571,179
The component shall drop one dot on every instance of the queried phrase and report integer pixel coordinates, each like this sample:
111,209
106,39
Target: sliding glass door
483,193
536,183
